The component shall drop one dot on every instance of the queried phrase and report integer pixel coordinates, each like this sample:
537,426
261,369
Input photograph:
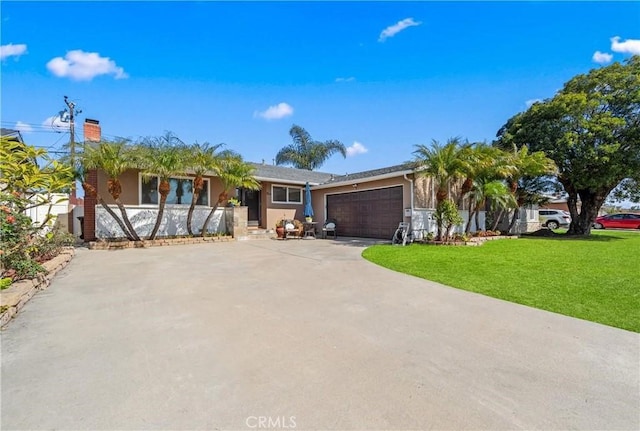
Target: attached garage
368,213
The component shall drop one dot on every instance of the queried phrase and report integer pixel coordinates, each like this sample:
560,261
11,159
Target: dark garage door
367,214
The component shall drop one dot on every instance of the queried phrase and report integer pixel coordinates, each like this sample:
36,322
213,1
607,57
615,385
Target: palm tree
233,172
202,159
164,158
305,153
482,160
445,164
527,165
113,158
486,188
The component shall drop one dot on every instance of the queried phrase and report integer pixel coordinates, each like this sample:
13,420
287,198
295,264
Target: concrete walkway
299,334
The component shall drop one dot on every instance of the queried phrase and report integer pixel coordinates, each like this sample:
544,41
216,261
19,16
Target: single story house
367,204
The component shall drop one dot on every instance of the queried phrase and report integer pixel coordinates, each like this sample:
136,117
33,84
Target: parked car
553,219
622,221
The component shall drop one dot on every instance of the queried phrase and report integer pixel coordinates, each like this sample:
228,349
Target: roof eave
363,180
284,181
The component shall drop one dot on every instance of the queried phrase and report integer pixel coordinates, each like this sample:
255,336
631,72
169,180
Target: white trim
326,212
181,177
363,180
288,202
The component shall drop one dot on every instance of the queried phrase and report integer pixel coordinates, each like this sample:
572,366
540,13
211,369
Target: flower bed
474,241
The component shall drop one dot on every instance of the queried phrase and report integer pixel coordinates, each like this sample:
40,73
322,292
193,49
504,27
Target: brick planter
160,242
16,296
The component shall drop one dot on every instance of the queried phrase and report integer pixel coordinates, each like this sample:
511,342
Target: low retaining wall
119,245
18,294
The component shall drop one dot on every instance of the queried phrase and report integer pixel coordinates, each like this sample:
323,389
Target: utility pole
72,127
72,152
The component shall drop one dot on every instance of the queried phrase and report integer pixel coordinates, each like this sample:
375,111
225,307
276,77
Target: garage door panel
368,213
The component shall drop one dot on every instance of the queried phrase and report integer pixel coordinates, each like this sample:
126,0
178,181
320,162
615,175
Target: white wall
174,221
423,221
59,206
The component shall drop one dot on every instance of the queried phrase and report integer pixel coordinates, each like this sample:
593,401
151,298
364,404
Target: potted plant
233,202
280,228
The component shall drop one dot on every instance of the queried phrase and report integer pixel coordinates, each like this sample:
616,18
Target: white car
553,219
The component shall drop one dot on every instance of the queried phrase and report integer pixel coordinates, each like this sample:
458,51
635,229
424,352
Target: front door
251,199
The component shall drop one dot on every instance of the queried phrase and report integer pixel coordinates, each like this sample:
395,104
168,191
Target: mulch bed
544,233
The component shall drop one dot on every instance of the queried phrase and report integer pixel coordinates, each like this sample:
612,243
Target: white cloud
275,112
84,66
531,102
12,50
23,127
602,57
56,123
392,30
349,79
629,46
355,149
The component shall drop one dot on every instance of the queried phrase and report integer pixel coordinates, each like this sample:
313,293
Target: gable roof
273,173
290,175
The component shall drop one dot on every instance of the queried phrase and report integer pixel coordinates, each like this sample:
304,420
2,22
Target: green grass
595,278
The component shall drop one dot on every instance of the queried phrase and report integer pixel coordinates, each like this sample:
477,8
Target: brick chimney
92,132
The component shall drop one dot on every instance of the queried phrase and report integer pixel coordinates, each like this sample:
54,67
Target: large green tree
591,130
305,153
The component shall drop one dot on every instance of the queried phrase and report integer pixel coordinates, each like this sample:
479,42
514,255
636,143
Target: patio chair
293,228
329,227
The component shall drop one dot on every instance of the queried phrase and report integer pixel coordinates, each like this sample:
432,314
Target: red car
623,221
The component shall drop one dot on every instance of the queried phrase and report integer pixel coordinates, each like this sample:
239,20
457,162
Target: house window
181,191
286,195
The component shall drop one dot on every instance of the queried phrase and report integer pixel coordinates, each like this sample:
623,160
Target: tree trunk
127,222
477,211
497,220
164,190
590,205
472,211
114,187
89,190
197,188
221,198
513,220
466,188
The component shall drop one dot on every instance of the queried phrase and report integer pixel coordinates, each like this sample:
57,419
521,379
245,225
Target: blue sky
381,77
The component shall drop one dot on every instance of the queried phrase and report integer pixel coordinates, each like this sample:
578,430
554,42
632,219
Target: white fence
174,221
423,223
59,207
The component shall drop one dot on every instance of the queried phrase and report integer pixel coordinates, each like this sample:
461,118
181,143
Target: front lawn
596,278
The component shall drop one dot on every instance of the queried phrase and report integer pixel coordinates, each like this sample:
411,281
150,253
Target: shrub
16,238
447,216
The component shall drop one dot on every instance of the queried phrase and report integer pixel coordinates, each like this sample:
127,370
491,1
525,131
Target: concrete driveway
299,335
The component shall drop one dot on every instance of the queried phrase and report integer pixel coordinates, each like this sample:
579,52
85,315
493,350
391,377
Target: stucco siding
130,182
